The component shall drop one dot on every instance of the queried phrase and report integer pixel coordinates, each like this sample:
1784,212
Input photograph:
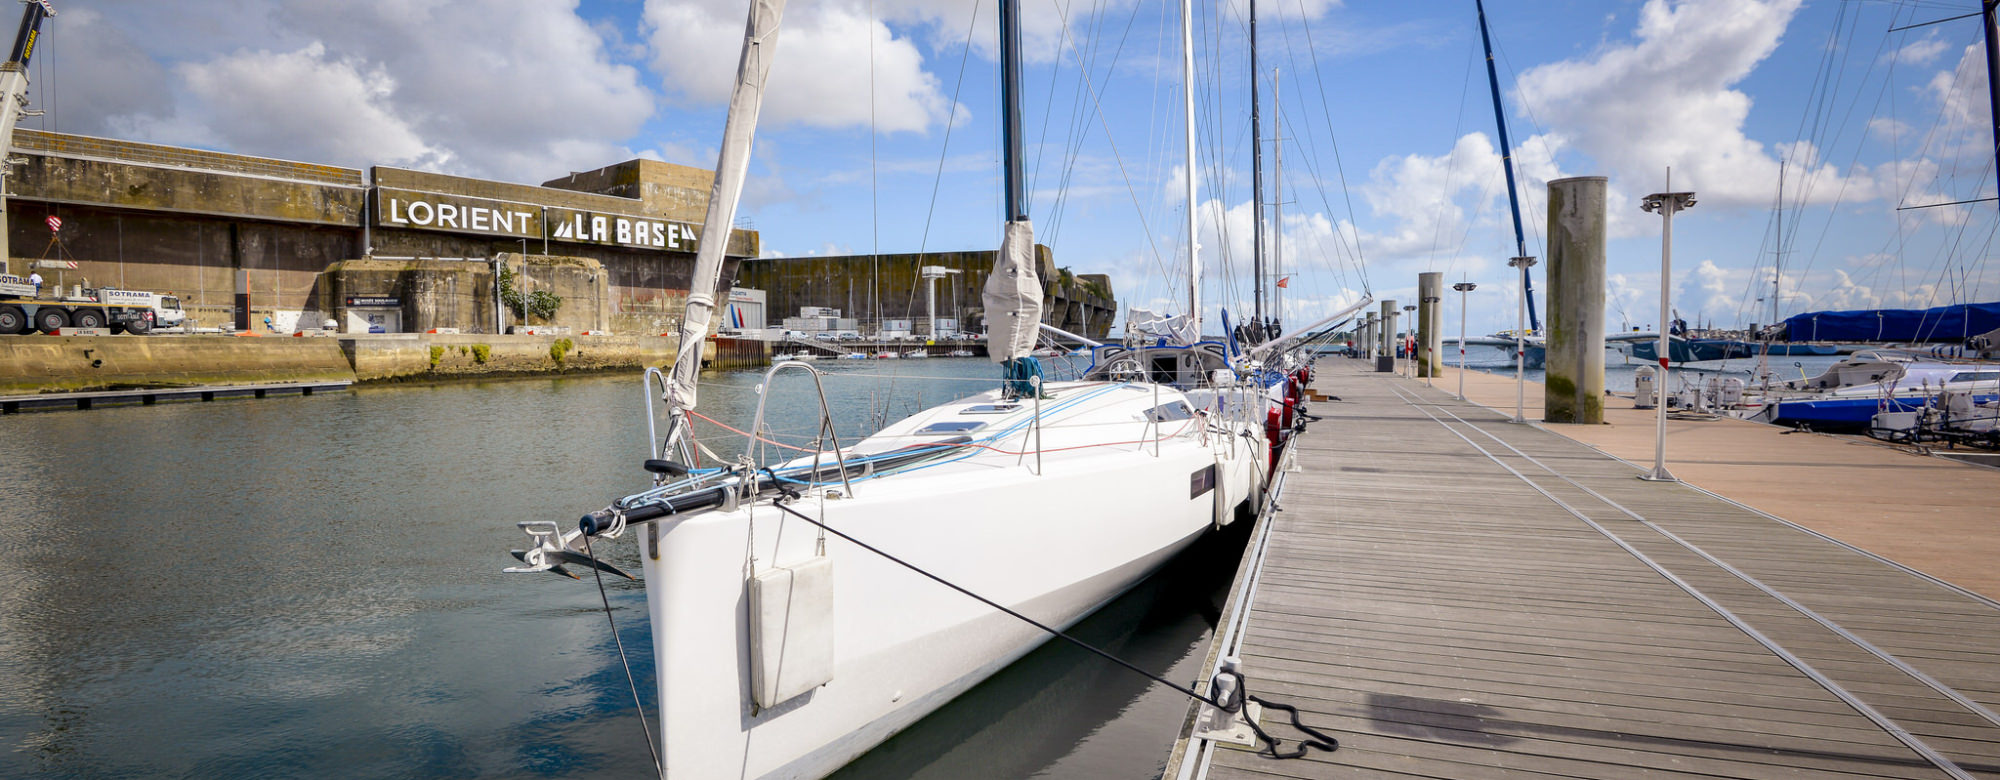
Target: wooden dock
14,404
1456,596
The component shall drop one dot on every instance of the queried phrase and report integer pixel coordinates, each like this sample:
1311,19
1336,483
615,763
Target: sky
880,130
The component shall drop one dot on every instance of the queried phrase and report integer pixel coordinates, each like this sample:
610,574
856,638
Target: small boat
887,355
855,356
959,353
795,356
916,354
1849,394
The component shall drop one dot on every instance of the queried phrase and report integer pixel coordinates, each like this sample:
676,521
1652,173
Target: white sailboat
792,627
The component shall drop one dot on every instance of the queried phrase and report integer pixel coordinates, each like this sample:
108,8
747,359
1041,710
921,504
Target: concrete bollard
1385,343
1430,322
1574,387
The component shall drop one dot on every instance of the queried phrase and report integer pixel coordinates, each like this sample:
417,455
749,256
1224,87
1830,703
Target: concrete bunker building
241,238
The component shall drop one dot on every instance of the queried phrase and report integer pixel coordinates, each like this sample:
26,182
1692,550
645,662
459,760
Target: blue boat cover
1948,324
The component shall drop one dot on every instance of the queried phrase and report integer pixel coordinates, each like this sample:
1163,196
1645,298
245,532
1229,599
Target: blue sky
526,90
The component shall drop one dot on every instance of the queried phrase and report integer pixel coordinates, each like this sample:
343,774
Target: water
1619,370
311,587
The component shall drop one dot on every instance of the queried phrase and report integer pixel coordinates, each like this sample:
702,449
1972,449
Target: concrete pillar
1430,322
1385,343
1366,341
1574,387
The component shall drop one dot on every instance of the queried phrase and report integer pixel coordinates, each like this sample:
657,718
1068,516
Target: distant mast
1256,183
1507,164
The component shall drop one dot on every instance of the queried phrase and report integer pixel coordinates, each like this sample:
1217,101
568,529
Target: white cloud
1922,52
1668,99
336,111
826,57
519,90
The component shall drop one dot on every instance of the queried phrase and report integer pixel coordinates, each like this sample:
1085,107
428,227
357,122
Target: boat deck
1456,596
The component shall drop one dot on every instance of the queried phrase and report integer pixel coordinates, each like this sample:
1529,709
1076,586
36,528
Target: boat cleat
1233,725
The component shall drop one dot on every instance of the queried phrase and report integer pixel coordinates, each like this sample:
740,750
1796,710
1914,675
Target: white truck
130,311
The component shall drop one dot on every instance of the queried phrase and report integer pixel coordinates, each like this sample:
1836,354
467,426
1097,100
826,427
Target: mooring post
1430,323
1385,359
1573,378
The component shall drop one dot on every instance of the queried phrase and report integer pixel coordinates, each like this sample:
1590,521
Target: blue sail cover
1947,324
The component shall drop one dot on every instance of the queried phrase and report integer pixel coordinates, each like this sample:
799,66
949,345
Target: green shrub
437,354
560,349
480,352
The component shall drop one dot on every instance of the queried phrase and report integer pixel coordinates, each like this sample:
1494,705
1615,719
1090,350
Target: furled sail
1013,296
760,46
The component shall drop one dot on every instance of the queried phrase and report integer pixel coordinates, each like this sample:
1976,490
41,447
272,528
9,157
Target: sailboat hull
1053,542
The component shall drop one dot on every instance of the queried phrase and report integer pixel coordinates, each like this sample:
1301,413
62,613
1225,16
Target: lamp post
1520,339
1403,339
1666,203
1462,288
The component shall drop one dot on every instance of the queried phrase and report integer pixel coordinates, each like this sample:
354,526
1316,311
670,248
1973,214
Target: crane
14,103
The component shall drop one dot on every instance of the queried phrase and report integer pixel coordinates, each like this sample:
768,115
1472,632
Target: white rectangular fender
791,630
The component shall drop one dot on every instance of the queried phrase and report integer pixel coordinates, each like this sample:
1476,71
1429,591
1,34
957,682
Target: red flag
1285,281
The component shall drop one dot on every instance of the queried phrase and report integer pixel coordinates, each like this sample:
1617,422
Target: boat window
1975,376
957,426
1169,412
1166,369
989,409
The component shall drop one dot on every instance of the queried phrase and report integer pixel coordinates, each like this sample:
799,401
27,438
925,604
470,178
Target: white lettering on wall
567,225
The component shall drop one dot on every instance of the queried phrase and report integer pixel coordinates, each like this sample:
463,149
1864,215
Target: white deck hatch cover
791,630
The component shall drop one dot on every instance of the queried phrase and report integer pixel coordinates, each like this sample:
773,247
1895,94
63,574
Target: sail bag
1013,296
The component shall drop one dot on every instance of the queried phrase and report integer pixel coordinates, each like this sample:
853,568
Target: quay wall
57,364
53,364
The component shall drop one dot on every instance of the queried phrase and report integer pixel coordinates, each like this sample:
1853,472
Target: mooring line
1828,623
1868,711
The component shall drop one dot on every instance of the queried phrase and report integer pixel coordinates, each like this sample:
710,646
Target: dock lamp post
1666,203
1462,288
1520,339
1403,340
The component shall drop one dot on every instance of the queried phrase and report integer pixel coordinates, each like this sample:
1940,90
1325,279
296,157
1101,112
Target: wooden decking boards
1446,619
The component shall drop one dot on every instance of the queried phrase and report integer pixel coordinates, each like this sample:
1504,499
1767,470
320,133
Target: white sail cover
760,46
1013,296
1178,328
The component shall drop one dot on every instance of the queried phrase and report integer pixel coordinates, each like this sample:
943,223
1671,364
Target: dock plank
1446,617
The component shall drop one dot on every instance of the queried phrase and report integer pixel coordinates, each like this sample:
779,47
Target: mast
1778,256
1278,198
1187,92
1993,72
1507,164
1256,182
1013,291
760,46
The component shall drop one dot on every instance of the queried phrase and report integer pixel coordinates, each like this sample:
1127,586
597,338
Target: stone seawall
426,356
56,364
41,364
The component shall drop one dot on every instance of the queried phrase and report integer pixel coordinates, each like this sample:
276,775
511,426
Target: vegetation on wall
560,349
540,303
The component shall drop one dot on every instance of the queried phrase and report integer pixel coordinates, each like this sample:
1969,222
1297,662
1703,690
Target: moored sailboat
799,608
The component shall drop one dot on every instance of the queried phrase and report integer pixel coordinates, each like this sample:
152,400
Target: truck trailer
24,308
